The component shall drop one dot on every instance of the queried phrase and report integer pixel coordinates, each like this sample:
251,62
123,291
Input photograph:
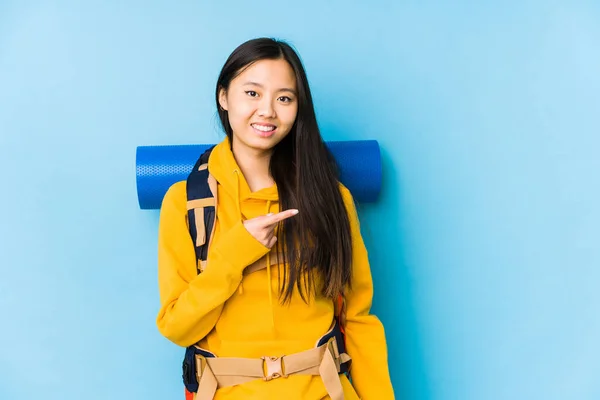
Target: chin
264,143
252,141
260,145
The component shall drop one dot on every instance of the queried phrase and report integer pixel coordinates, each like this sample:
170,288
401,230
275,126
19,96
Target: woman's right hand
262,228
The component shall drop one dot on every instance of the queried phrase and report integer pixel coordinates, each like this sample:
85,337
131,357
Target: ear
223,99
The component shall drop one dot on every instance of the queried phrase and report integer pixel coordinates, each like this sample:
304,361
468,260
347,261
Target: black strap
197,188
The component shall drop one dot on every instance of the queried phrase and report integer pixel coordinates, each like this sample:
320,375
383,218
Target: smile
264,128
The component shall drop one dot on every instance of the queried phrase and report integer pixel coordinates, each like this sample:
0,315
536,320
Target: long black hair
318,239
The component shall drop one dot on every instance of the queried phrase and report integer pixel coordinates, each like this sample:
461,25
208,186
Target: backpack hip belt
325,360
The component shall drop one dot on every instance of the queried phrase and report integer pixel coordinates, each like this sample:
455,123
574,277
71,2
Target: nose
265,108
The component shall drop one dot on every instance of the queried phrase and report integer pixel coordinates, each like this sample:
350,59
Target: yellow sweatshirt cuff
239,247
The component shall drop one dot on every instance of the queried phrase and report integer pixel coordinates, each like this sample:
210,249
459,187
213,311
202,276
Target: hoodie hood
223,166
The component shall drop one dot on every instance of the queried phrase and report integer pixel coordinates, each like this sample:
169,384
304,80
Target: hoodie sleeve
365,336
191,303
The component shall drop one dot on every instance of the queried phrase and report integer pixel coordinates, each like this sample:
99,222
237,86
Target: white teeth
264,128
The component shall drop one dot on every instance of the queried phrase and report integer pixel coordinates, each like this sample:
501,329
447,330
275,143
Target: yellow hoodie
236,315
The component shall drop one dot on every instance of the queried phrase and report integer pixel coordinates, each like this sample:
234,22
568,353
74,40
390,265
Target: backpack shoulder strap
202,206
202,210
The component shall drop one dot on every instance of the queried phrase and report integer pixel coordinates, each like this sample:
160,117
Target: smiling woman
279,224
261,102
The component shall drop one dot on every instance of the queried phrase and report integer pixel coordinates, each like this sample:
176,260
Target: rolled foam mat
158,167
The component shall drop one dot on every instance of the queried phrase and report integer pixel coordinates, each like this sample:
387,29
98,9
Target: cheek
240,105
240,110
288,115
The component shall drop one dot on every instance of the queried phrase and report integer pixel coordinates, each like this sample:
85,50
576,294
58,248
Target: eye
285,99
251,93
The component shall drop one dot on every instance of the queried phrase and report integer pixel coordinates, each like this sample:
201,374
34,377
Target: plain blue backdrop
485,243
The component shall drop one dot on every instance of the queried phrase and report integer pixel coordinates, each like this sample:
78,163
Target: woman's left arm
365,337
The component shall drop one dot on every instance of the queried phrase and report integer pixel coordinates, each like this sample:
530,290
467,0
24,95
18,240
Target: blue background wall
484,244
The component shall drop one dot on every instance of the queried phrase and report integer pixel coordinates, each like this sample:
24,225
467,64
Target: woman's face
262,104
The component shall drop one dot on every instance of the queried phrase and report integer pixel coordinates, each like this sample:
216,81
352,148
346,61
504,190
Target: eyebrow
261,86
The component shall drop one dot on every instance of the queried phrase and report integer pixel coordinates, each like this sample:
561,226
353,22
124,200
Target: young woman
271,332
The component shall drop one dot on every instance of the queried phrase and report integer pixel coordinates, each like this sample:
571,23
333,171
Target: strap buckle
274,368
200,365
332,348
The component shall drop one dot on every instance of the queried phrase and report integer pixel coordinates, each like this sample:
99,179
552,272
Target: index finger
280,216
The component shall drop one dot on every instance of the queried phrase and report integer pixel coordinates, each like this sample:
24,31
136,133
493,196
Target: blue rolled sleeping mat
158,167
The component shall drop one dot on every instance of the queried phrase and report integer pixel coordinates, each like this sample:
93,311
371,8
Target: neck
254,165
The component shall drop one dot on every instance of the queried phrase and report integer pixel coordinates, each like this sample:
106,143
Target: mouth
264,130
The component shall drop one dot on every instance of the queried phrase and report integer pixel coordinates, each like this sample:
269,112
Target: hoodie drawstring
239,210
237,193
268,210
270,286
